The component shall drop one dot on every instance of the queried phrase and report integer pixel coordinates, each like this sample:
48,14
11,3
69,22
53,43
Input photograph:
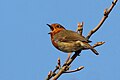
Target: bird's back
69,36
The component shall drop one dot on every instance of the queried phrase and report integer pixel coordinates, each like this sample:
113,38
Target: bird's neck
55,32
52,37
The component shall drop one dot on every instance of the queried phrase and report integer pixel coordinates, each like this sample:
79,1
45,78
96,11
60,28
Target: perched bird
68,41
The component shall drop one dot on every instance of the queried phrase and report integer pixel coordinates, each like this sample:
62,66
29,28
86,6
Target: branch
106,13
78,69
66,65
98,44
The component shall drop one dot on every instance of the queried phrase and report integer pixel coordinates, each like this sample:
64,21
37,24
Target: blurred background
26,52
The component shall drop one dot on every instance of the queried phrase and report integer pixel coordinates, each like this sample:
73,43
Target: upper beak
49,26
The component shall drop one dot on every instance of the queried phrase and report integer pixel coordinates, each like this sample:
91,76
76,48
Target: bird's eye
59,26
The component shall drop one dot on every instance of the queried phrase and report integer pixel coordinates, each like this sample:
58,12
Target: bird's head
55,28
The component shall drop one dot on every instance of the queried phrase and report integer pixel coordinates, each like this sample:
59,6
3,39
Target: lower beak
49,33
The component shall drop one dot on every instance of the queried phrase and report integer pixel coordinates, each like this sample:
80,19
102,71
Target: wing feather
69,36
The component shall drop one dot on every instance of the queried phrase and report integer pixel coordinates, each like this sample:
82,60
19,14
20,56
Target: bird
68,41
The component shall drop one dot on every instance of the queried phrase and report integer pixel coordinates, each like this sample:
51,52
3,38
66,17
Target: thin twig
106,13
59,63
78,69
80,28
51,74
98,44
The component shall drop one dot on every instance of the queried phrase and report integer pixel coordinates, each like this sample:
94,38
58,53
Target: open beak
50,28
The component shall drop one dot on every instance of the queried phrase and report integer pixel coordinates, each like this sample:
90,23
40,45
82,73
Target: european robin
68,41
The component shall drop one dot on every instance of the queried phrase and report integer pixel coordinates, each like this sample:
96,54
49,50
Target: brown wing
69,36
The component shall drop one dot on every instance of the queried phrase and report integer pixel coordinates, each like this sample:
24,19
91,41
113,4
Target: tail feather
94,51
88,46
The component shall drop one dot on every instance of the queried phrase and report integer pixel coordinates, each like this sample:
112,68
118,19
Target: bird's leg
69,54
68,57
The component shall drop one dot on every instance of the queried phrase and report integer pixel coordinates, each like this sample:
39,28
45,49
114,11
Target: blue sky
26,52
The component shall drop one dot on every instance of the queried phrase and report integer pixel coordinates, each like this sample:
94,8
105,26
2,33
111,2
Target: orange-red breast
67,40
